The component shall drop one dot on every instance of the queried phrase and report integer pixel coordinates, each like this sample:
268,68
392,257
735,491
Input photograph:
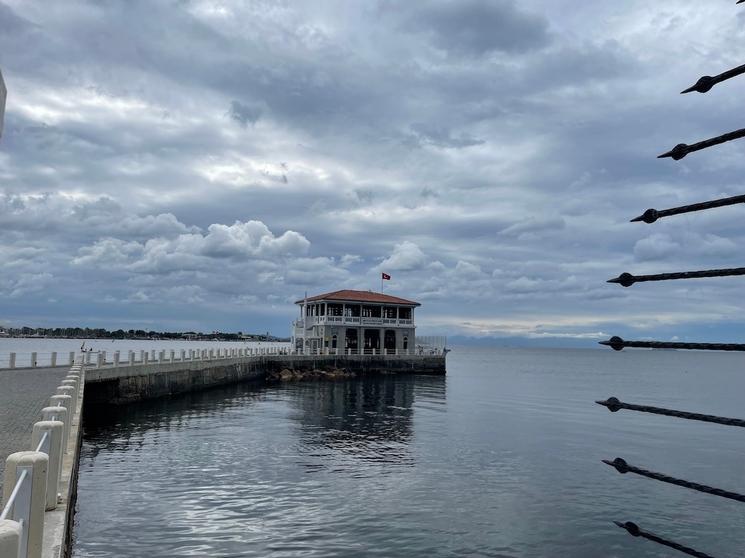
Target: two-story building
362,321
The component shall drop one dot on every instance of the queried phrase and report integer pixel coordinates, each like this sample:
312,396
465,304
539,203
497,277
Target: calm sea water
501,458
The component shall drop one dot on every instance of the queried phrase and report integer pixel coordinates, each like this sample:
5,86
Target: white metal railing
36,474
36,359
417,351
103,358
18,510
299,325
431,344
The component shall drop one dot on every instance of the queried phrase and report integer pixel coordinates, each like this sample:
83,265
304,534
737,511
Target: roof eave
409,303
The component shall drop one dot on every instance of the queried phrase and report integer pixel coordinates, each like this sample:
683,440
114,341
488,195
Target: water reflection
369,419
500,460
123,427
248,470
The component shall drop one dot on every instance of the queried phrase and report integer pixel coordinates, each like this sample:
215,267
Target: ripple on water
501,459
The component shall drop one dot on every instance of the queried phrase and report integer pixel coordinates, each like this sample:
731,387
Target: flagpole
381,282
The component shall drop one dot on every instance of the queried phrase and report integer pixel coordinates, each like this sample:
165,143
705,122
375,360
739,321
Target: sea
499,458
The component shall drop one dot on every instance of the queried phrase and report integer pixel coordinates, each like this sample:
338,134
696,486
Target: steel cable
622,467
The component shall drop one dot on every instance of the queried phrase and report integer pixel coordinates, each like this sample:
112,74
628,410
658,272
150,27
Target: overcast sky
202,164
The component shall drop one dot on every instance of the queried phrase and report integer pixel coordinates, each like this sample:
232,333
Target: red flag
386,277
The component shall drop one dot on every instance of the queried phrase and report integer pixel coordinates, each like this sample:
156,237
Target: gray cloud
468,27
244,114
487,154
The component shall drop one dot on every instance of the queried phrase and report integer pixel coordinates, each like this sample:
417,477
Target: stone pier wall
127,384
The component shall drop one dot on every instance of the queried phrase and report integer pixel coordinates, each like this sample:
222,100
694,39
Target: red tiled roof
361,296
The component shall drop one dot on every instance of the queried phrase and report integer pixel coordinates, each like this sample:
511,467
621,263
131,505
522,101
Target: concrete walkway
23,394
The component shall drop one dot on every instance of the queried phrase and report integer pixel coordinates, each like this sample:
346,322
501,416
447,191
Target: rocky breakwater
294,375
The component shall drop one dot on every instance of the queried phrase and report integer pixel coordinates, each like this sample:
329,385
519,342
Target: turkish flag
386,277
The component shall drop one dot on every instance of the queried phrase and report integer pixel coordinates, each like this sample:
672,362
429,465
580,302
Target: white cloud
378,134
406,256
27,283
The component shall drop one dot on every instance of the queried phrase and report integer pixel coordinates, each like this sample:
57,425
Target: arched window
333,341
406,343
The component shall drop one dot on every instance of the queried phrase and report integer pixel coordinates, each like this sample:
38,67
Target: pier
40,472
136,380
40,476
340,336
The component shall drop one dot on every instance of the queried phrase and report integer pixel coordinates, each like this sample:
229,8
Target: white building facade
355,322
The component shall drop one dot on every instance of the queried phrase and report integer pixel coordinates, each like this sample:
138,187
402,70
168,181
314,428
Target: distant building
356,320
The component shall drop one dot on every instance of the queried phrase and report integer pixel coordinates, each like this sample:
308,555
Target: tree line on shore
101,333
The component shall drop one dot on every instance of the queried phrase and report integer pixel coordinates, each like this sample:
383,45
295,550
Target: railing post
152,355
103,354
12,360
72,380
57,414
131,358
212,354
33,360
71,391
66,402
116,358
54,430
30,502
99,360
72,358
54,359
88,357
183,355
161,356
10,538
173,354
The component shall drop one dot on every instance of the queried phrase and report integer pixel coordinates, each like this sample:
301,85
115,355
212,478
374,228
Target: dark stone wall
125,385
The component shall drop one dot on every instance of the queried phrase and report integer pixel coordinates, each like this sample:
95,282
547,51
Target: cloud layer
487,154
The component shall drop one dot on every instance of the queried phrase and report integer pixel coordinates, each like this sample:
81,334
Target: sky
201,164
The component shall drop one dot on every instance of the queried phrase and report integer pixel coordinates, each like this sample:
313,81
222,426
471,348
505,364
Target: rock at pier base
287,375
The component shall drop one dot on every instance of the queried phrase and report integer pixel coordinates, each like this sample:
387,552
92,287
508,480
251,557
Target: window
406,343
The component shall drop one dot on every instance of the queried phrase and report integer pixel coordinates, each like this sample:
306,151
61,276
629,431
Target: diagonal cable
627,279
682,149
705,83
622,467
614,405
634,530
651,215
617,344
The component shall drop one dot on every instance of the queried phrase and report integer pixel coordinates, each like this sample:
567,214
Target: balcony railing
351,320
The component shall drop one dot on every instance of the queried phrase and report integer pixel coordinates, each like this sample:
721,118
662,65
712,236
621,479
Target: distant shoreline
127,338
